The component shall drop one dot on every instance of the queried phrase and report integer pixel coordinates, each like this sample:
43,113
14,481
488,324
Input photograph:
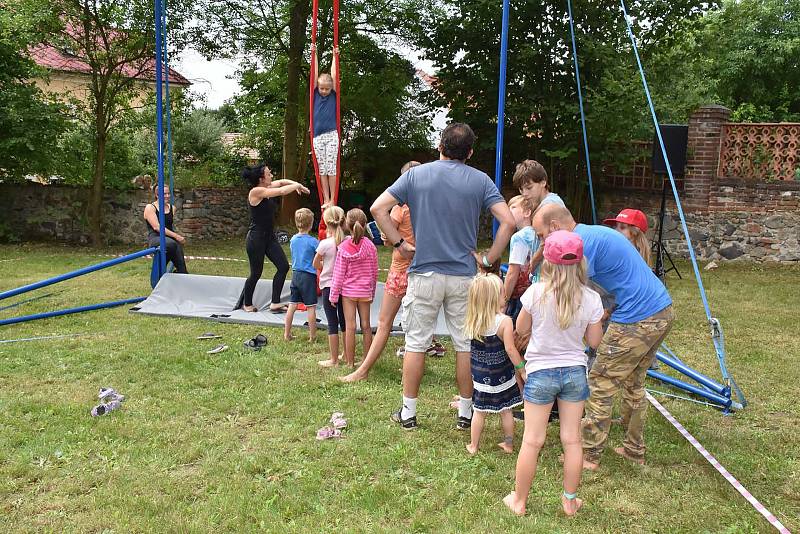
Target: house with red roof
70,75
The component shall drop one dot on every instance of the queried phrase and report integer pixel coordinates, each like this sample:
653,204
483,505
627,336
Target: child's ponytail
357,224
334,220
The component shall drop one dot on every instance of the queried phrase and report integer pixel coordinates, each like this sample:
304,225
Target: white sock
465,407
409,408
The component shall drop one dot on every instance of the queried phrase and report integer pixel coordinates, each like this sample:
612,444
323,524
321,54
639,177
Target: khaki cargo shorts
427,293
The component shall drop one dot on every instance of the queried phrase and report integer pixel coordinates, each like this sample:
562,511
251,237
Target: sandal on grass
209,335
256,343
217,349
327,432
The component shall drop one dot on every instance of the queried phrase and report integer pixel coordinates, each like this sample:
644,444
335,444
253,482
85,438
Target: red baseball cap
563,248
629,216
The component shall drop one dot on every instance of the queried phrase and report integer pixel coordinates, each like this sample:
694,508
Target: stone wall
58,213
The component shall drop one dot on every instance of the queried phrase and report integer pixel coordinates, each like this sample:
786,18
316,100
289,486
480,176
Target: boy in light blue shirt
303,288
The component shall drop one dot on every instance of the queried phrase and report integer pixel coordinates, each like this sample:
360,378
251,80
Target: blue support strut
160,138
69,311
684,369
583,115
700,392
501,106
171,167
74,274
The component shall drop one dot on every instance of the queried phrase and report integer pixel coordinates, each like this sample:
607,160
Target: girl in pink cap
559,312
633,225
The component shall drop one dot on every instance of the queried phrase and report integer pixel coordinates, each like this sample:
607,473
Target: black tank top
262,216
167,222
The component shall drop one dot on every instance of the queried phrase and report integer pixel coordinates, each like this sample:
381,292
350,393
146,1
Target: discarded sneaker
109,394
104,409
256,343
338,421
327,432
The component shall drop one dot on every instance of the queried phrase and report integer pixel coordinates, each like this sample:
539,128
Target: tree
29,123
115,39
462,38
377,83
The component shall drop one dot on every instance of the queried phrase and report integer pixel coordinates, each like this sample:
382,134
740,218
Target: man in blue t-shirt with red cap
639,323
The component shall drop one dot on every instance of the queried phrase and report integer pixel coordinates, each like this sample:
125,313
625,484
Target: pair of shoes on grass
211,335
462,423
256,343
334,429
435,350
110,400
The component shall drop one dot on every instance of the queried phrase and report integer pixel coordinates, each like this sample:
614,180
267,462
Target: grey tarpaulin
213,297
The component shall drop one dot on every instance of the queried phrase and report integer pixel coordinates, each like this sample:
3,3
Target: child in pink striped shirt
354,278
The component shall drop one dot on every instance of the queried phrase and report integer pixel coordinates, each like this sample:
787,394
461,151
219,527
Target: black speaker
676,138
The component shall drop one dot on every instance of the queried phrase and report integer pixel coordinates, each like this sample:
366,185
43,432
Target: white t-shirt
327,249
550,346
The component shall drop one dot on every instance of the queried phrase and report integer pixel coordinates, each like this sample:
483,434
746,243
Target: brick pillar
702,154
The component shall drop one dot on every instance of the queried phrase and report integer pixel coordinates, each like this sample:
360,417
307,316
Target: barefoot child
355,276
493,359
304,275
560,312
326,133
324,262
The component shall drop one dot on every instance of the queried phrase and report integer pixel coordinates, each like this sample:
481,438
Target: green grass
226,442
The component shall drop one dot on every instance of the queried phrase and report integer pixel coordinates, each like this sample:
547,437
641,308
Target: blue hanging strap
580,104
716,329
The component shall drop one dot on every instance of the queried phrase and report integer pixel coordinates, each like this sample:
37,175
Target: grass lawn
226,442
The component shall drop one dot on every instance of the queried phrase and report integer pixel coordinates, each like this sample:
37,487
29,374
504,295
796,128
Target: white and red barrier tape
724,472
210,258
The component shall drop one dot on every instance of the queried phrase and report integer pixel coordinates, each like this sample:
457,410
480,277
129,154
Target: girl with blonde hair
324,262
494,360
355,275
559,312
633,225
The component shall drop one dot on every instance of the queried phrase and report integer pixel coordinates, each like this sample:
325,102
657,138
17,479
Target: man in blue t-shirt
446,199
639,324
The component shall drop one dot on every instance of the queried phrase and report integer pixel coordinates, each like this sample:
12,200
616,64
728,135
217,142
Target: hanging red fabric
312,87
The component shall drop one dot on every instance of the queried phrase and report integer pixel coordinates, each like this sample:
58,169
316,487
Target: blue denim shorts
565,383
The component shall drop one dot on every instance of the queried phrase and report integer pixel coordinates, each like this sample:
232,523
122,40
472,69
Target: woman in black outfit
174,240
261,235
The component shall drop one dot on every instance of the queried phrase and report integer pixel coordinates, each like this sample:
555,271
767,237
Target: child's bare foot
472,449
250,309
355,376
510,501
621,451
508,448
288,337
571,506
328,363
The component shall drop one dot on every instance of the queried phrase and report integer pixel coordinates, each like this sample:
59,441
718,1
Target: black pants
174,252
259,245
333,314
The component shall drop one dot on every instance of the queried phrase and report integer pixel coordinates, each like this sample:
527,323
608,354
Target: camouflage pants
623,357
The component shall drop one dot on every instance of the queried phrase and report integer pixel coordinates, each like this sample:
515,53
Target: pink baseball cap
563,248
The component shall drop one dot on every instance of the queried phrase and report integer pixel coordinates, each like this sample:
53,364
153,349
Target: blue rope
583,116
167,102
717,339
501,106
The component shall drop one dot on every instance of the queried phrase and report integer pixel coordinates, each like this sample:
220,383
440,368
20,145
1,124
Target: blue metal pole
171,167
583,116
160,140
79,272
501,106
710,395
69,311
682,368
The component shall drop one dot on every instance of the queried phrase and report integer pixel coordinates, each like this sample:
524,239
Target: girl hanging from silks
324,123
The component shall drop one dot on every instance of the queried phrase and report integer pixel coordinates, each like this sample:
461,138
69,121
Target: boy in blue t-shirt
520,254
326,132
303,288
